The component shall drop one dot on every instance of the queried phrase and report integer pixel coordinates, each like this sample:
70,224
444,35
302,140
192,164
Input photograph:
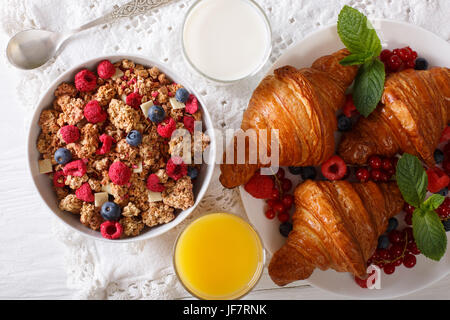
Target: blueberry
285,229
192,172
443,192
438,156
383,242
110,211
421,64
134,138
295,170
309,173
63,156
446,224
393,224
156,114
182,95
344,123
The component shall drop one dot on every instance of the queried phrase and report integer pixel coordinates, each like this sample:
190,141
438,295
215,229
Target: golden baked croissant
415,111
336,225
301,104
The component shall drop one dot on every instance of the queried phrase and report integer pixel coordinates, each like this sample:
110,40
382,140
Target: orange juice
219,256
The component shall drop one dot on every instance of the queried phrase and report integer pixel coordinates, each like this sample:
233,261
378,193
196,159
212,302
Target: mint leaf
412,179
433,202
429,233
369,85
355,59
357,33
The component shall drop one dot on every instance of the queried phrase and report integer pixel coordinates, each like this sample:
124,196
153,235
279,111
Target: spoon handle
129,9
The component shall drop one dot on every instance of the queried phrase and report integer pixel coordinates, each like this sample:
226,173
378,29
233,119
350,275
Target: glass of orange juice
219,256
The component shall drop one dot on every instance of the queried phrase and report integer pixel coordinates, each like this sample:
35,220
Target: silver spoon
31,49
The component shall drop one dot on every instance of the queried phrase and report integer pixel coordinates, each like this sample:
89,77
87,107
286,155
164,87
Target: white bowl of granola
77,193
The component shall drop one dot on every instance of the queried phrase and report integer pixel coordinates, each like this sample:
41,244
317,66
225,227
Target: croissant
415,111
301,104
336,225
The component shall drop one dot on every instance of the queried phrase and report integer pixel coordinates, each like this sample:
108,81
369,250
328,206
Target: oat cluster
139,208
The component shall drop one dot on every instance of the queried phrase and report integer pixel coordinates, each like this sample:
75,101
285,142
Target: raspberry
75,168
445,134
176,168
105,69
134,100
166,128
111,230
94,113
349,108
85,80
437,179
189,123
191,104
85,193
70,134
56,178
153,184
260,186
107,142
119,173
334,168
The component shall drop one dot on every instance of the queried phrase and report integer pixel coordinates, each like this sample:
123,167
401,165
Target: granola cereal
98,144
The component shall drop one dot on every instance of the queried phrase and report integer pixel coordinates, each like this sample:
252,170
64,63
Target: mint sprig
428,229
358,34
361,39
369,85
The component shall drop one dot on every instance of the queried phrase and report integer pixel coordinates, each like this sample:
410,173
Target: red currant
408,208
396,251
278,207
384,254
280,174
409,261
396,51
444,209
386,164
385,55
384,176
361,282
283,217
408,233
375,162
404,54
389,268
395,236
270,214
286,185
408,219
275,194
270,202
398,262
410,64
376,175
288,201
363,175
414,55
412,248
394,62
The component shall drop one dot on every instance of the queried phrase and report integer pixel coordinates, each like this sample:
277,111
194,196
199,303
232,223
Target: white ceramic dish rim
430,37
152,232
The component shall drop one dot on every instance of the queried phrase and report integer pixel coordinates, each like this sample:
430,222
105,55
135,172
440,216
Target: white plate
325,41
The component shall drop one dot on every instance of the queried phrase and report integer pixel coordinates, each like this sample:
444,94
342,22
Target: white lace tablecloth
98,270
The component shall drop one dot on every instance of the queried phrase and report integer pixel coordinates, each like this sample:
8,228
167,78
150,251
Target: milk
226,40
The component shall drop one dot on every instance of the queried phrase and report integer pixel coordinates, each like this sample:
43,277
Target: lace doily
143,270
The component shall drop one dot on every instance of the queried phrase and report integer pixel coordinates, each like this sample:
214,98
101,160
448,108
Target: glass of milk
226,40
